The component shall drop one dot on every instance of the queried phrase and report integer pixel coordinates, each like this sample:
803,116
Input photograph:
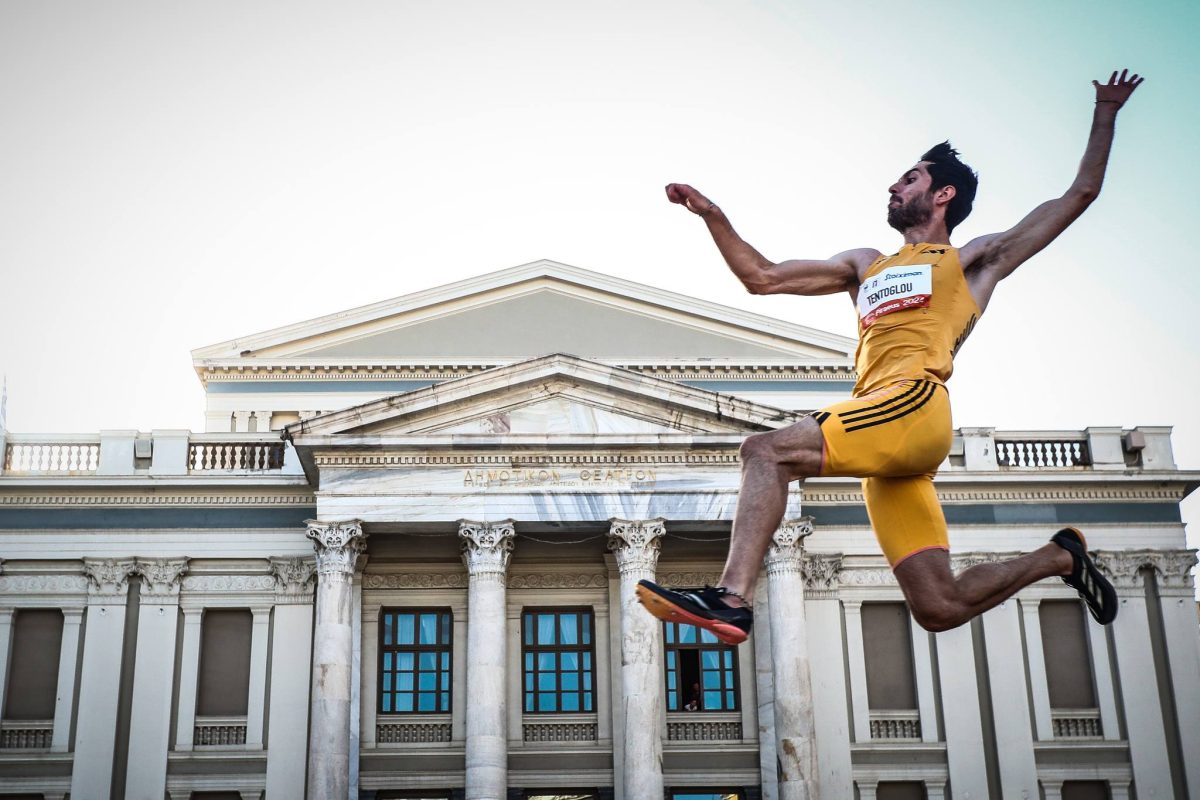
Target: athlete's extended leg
770,461
939,600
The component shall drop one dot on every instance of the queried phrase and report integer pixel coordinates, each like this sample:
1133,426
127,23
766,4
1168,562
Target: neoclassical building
399,563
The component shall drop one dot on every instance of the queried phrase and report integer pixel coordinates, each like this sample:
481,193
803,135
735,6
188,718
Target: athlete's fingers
1124,72
1112,78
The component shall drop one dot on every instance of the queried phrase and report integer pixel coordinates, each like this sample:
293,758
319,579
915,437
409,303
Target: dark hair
946,170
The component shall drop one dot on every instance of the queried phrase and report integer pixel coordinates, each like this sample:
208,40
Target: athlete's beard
917,211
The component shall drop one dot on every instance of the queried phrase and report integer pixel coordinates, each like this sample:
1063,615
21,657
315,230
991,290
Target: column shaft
370,677
486,549
189,671
960,704
1177,603
827,667
856,657
1143,713
1039,689
68,660
6,628
1006,675
635,545
288,711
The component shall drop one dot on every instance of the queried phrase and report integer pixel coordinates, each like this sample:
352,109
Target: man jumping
915,309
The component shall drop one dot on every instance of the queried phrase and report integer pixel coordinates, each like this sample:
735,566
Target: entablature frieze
207,499
511,460
949,494
43,585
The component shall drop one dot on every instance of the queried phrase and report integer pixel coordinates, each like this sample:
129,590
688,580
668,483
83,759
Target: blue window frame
558,653
701,672
414,661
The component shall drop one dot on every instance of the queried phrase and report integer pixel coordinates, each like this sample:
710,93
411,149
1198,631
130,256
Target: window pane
670,632
527,625
387,703
445,662
529,681
568,661
712,700
687,634
445,629
428,661
587,701
587,680
404,661
708,637
405,624
546,662
547,681
712,680
568,629
545,629
387,682
404,681
547,701
570,702
389,621
585,620
428,681
445,701
587,659
428,629
570,681
529,699
404,702
427,702
710,659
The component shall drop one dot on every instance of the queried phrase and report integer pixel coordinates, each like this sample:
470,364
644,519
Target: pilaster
635,545
486,550
153,677
963,717
257,699
1177,603
337,546
68,659
189,673
795,745
827,670
1135,660
1039,688
99,687
856,658
287,711
1010,709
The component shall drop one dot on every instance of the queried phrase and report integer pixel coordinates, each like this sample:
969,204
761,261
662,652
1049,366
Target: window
557,650
701,672
887,650
900,790
1065,647
708,794
224,685
1084,790
33,668
414,661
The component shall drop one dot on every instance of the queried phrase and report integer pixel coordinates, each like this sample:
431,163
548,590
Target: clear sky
177,174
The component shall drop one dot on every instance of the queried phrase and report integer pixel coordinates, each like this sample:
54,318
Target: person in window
694,699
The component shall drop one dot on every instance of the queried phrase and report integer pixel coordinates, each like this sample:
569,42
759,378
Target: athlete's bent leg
770,461
940,601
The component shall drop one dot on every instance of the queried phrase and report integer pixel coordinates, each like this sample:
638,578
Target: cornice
1149,492
510,459
203,500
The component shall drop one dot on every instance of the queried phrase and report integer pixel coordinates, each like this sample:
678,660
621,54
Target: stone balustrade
132,453
26,734
391,731
220,731
1092,449
1077,723
895,726
700,726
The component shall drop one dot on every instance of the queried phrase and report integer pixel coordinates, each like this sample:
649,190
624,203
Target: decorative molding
543,732
415,580
337,544
247,372
689,578
227,584
486,547
822,574
108,577
636,544
787,546
509,460
411,732
58,584
871,576
1172,568
557,581
294,579
161,577
704,731
949,495
107,500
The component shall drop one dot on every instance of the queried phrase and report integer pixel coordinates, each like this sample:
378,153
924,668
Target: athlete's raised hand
1118,89
689,198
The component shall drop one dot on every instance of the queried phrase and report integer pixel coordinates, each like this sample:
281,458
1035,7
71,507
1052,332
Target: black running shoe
702,607
1085,578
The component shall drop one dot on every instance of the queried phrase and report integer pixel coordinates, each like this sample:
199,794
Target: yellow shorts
894,439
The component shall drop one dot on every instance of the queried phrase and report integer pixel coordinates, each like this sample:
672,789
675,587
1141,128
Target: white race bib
894,289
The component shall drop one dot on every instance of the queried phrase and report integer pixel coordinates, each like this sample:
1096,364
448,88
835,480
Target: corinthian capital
636,543
822,572
161,577
293,578
787,546
107,577
486,546
337,544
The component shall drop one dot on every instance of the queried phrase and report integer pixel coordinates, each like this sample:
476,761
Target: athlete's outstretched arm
759,274
989,259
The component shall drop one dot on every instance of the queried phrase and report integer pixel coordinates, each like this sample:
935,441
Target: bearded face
917,210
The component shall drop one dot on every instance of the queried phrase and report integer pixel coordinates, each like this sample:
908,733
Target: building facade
399,563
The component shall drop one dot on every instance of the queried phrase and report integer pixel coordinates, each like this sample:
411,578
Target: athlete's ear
944,195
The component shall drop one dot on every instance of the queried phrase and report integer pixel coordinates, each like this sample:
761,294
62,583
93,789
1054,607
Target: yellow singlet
915,311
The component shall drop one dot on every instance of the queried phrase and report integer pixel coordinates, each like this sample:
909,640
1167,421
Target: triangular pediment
530,311
549,396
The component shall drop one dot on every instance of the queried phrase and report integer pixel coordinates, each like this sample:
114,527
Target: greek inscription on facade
603,477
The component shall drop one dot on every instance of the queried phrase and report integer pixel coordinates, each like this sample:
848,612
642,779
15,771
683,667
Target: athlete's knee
791,448
937,612
759,447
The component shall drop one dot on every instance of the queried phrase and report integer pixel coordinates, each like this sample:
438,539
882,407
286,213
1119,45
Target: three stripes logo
890,410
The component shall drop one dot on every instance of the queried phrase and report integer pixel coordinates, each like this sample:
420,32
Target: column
795,748
1039,689
1135,666
6,626
1182,638
337,545
153,676
291,657
68,660
1010,709
257,700
189,669
926,686
856,658
601,676
514,673
827,668
486,549
99,686
764,679
960,707
635,545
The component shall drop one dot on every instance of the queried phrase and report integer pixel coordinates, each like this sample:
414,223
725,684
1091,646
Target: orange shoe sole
669,612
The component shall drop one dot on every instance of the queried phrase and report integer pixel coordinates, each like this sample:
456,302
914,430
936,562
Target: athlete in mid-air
915,307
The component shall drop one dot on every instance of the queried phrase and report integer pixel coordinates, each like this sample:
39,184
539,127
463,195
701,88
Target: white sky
177,174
